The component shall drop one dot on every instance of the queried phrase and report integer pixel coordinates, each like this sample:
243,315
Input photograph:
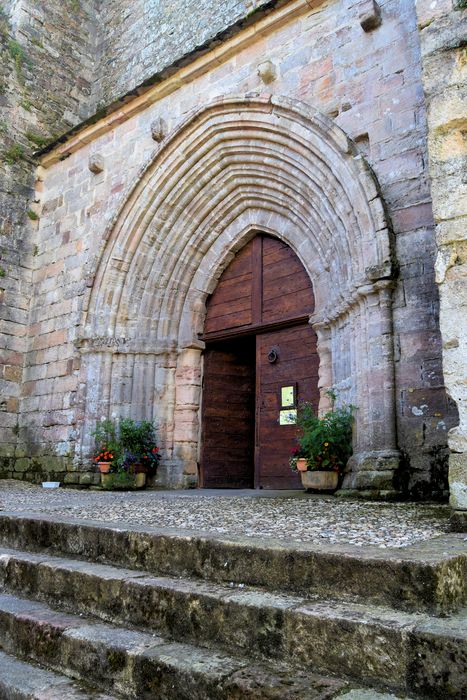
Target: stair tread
453,624
279,681
20,679
427,577
134,641
433,551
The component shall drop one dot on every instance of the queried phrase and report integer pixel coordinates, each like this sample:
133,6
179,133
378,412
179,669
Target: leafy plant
18,55
32,215
13,154
325,441
128,444
37,139
107,443
138,441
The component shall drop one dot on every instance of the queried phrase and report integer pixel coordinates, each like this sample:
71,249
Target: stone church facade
322,125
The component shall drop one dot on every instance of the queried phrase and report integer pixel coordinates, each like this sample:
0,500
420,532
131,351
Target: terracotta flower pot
302,464
320,480
104,467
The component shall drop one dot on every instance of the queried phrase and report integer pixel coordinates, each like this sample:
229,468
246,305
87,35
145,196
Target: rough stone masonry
107,265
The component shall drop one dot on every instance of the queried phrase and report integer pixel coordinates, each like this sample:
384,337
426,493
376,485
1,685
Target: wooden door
228,415
262,302
285,360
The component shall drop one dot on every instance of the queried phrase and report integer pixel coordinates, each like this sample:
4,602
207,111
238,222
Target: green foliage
138,437
119,480
16,51
126,443
2,88
26,104
4,24
35,250
2,272
325,441
13,154
37,139
107,442
3,127
75,5
32,215
18,55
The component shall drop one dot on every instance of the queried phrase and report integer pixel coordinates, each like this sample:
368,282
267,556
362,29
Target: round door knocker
273,355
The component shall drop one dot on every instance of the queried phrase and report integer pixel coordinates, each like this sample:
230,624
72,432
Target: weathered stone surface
136,664
459,520
22,681
442,34
430,576
368,643
439,663
138,635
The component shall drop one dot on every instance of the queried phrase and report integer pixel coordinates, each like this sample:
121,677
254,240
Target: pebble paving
299,517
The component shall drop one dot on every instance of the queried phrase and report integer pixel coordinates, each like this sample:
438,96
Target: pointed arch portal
237,167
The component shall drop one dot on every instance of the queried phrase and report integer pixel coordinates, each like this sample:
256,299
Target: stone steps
429,577
370,644
184,602
139,665
23,681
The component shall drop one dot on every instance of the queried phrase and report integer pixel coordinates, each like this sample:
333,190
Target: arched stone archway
238,166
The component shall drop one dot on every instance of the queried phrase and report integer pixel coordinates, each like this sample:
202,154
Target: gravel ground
298,517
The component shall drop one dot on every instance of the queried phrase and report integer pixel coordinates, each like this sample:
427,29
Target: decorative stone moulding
158,129
267,72
96,163
369,14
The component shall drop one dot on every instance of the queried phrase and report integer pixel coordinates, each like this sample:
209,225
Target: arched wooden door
260,361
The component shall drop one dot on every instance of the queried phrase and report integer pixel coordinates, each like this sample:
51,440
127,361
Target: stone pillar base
458,521
458,490
371,475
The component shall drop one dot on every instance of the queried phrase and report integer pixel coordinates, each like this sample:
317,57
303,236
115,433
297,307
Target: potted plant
141,453
126,452
107,451
325,445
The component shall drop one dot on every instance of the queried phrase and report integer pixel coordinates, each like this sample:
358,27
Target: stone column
376,457
187,418
323,333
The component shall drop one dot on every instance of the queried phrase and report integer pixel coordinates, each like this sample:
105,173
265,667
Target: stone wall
368,79
141,37
45,83
443,31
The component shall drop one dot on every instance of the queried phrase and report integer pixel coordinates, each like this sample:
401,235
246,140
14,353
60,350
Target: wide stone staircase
89,610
